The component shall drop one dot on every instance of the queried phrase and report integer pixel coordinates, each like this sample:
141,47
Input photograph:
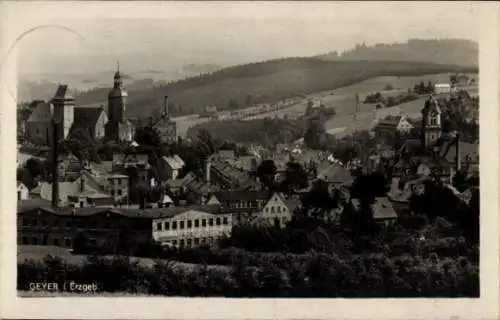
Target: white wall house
442,88
191,228
22,191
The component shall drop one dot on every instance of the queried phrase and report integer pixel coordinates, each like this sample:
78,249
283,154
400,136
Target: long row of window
44,241
193,242
188,224
275,209
92,224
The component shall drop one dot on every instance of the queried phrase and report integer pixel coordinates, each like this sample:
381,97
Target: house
22,191
239,199
383,211
138,161
172,166
335,175
390,126
76,194
117,185
440,88
187,227
40,224
277,211
462,81
226,154
226,176
167,130
91,119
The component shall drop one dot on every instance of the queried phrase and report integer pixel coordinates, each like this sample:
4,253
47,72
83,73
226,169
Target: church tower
431,122
62,107
117,100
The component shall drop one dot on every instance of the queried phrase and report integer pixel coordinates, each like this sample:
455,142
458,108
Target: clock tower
431,123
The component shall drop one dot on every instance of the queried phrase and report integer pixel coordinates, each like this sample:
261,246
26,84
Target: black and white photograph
328,151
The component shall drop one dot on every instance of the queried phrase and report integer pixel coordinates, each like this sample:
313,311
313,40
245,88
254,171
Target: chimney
55,165
207,168
165,108
458,157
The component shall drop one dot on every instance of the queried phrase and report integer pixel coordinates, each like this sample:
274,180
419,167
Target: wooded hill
444,51
267,81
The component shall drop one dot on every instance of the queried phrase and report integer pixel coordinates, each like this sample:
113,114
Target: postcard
220,160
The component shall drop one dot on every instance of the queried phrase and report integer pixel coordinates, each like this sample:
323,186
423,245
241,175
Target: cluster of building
92,200
102,123
252,112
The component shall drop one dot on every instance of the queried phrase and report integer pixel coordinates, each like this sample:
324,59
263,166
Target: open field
344,101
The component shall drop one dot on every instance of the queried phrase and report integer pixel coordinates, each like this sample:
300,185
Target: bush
256,275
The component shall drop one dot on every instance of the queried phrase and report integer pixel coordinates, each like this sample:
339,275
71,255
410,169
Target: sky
162,36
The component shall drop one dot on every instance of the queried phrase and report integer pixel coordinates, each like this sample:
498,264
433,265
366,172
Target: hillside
446,51
264,82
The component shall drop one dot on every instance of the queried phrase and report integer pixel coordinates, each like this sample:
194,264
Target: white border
35,13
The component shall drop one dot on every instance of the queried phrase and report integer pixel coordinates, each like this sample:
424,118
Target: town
92,181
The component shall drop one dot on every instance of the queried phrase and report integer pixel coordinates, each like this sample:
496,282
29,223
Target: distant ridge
460,52
273,80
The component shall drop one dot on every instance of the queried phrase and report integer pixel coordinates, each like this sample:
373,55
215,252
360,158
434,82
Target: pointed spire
118,66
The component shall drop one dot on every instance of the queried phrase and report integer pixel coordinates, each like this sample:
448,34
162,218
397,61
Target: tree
81,144
315,135
148,136
295,177
233,104
430,87
34,167
453,78
266,173
205,144
248,100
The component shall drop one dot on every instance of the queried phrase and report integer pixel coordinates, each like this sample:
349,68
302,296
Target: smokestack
165,108
55,165
208,165
458,156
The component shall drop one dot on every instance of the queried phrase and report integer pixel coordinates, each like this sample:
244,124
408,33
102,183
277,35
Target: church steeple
431,122
118,77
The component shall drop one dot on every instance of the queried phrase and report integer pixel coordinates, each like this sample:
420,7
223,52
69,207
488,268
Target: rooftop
154,213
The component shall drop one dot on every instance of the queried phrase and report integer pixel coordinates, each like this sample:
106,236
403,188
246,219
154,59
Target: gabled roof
226,153
431,105
66,189
21,185
382,208
292,204
334,173
63,93
179,159
175,162
87,117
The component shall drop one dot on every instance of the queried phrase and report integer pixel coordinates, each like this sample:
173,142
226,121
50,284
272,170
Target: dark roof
63,93
154,213
241,195
87,117
42,112
431,104
27,205
292,204
412,146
